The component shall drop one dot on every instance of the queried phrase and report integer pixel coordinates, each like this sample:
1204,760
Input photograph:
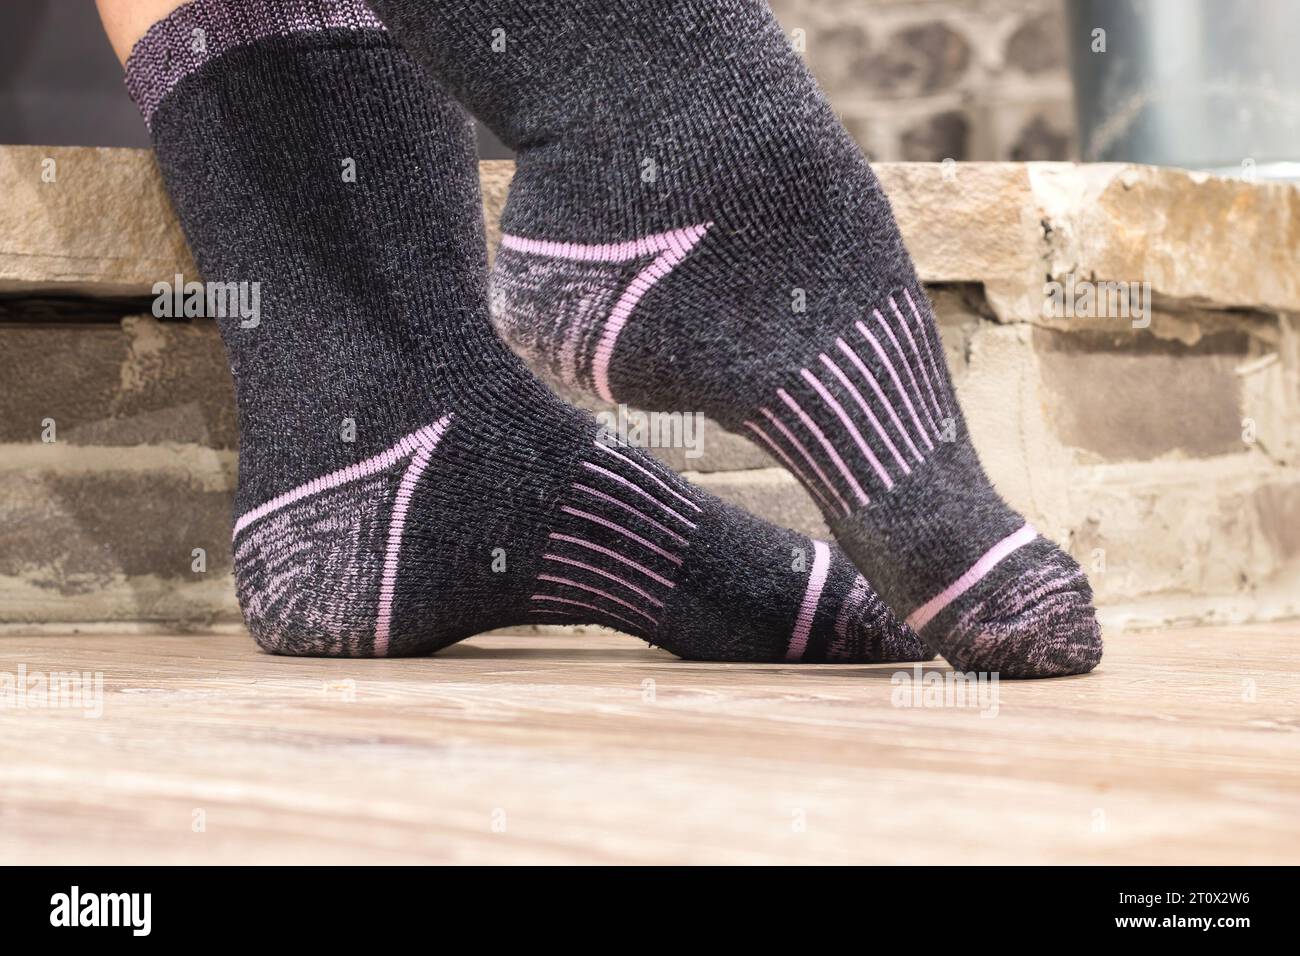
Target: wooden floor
1184,747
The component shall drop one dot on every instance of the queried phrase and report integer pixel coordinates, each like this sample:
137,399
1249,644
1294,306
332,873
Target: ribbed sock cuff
200,31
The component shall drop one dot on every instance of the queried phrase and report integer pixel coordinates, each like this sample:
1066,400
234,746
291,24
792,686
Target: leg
125,21
404,481
690,227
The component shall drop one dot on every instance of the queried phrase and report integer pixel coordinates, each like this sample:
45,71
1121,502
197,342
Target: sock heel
316,568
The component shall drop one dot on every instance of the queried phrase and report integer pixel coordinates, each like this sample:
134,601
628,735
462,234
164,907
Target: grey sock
690,227
404,481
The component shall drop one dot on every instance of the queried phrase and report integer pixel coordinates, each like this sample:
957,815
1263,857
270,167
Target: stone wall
928,80
1164,455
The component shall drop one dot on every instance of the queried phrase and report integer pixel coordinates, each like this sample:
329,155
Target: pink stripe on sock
907,330
396,528
598,592
898,383
789,436
816,432
907,367
789,463
424,437
618,503
638,489
625,532
808,609
847,422
866,410
668,248
853,357
675,240
653,477
925,329
607,575
583,604
681,244
924,614
609,553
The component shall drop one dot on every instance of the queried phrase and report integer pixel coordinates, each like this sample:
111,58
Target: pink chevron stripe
638,489
853,357
847,422
789,463
866,409
652,476
827,447
682,242
808,609
583,604
668,248
798,445
618,503
609,553
925,329
924,614
396,528
898,384
607,575
907,367
428,436
925,375
675,240
598,592
625,532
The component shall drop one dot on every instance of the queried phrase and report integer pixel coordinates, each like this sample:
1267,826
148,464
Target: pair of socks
689,228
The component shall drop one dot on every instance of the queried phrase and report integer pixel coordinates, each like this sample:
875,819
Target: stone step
1165,454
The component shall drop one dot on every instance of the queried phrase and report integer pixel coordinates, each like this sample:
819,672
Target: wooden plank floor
1184,747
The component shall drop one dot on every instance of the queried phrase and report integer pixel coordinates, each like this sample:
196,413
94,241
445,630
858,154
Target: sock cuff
202,30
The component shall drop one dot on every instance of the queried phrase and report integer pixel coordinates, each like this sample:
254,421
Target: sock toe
1035,621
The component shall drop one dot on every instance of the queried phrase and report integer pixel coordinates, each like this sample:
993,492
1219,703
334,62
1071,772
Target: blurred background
948,79
1205,84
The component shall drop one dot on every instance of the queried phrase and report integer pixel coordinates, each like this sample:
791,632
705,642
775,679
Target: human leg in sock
690,227
404,481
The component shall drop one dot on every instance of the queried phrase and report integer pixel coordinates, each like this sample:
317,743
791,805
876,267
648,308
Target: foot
691,228
404,481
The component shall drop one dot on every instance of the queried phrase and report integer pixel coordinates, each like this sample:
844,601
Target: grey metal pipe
1202,84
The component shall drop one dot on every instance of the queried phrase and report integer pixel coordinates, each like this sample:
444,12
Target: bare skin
125,21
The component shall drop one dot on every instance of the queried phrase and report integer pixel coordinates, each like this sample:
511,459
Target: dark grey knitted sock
690,227
404,481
